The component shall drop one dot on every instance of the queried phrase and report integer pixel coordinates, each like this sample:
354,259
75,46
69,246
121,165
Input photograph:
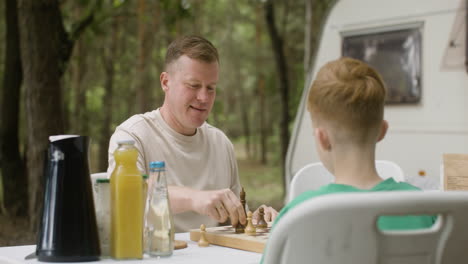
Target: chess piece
242,198
179,244
203,242
250,228
261,219
239,227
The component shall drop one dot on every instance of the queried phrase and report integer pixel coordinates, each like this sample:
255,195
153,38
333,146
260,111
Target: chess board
227,237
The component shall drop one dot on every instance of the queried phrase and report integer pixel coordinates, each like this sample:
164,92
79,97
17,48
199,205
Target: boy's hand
270,213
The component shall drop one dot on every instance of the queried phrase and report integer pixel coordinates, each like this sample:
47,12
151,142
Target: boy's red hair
350,94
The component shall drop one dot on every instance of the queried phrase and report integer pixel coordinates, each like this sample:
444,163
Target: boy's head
347,99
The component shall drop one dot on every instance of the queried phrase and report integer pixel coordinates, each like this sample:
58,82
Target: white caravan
419,48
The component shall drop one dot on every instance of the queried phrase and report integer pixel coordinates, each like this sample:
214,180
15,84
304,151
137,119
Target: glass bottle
145,191
159,225
126,204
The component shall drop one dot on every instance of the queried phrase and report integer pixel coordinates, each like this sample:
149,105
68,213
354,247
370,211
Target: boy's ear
383,130
322,138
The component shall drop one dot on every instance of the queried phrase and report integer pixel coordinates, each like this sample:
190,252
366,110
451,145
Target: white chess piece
203,242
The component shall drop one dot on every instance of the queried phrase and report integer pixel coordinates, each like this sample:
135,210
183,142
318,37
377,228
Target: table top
192,254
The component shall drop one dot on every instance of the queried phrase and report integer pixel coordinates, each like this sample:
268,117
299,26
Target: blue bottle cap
157,164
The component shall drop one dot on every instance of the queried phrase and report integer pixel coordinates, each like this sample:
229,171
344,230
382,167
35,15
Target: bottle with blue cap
159,225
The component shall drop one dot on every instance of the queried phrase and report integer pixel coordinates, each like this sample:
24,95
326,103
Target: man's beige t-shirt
204,161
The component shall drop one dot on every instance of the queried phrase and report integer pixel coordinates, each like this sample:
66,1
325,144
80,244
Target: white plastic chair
341,228
315,175
389,169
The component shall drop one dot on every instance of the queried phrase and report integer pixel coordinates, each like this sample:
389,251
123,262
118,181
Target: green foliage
262,184
236,28
175,12
94,98
118,3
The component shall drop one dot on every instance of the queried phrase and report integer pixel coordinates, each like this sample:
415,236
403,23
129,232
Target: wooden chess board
227,237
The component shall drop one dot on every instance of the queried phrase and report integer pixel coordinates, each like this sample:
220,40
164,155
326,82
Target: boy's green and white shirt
384,222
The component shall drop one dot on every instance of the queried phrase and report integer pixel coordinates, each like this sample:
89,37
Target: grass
14,231
262,183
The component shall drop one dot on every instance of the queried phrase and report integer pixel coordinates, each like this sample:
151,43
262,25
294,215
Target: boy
346,105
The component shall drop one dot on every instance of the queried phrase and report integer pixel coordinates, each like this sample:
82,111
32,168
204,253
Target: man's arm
217,204
234,172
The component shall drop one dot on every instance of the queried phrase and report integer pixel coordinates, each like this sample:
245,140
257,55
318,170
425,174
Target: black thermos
68,230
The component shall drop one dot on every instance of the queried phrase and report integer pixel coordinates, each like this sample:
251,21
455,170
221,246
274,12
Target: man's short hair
350,93
194,47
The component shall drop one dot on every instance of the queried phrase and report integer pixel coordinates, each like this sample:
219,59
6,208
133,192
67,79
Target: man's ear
383,130
322,138
164,79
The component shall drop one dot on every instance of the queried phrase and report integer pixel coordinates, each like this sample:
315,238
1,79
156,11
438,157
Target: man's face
190,88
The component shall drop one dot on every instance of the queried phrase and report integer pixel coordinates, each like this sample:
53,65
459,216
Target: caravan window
396,54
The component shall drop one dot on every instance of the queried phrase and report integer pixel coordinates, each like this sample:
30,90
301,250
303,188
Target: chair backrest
314,175
389,169
310,177
341,228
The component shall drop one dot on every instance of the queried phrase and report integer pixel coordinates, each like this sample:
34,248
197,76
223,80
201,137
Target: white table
192,254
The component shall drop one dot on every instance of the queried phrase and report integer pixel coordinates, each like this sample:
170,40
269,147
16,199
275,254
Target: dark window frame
403,77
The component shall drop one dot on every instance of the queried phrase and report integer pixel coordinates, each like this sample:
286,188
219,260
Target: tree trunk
147,27
108,60
244,107
308,50
261,90
282,70
316,11
13,172
80,126
45,49
263,130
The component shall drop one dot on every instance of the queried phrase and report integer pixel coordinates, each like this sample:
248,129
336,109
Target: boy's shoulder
326,189
390,184
386,185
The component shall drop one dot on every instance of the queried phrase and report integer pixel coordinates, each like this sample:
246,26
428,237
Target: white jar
103,217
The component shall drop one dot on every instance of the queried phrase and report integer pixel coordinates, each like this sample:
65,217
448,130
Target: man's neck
172,122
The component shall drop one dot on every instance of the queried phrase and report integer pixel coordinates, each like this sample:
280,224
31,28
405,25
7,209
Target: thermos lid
126,142
60,137
157,164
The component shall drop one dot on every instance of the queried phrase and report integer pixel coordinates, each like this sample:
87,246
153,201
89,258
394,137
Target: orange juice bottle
126,204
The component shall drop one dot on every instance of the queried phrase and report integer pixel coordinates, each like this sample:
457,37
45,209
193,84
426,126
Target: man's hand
219,205
270,213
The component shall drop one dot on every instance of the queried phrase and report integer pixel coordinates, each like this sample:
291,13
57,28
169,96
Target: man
201,166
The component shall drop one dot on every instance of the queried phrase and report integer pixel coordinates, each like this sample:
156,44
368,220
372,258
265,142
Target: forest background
84,66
